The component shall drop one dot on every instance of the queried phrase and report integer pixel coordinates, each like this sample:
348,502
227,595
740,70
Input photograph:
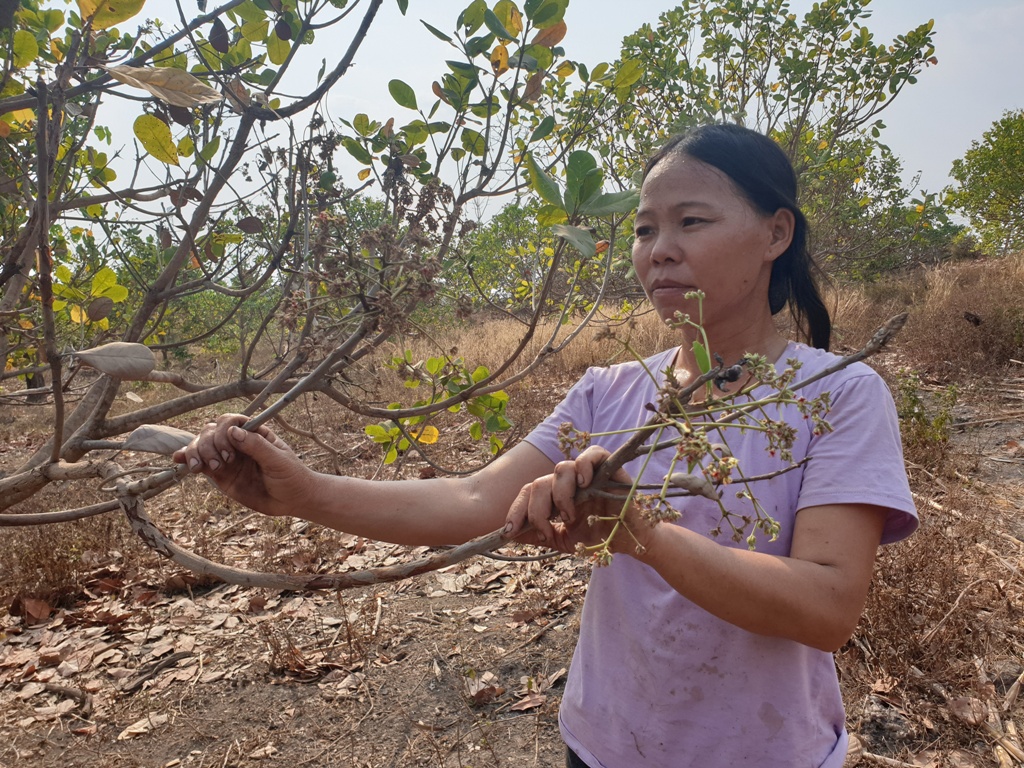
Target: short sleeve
861,460
577,408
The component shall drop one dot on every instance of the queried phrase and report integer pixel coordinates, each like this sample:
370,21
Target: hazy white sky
978,44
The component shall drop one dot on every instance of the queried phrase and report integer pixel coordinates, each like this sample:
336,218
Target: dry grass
965,318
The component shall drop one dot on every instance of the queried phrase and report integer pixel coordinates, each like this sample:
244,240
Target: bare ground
143,666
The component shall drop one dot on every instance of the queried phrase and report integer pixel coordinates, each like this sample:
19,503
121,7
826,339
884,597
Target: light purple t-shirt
657,681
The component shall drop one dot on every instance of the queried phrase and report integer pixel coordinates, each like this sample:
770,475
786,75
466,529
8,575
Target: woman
693,650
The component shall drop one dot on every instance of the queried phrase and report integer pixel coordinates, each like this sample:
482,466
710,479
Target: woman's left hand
548,506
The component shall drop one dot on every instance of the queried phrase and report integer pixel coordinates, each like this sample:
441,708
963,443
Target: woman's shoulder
813,361
632,370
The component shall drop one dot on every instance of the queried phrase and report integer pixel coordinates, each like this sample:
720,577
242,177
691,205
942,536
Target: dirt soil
146,666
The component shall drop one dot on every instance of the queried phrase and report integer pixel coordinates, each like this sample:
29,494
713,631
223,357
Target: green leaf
549,215
26,49
63,274
473,16
436,32
403,6
208,152
543,185
582,179
630,71
473,142
357,150
543,129
702,357
480,374
612,202
580,239
249,11
155,136
403,94
476,430
277,49
496,27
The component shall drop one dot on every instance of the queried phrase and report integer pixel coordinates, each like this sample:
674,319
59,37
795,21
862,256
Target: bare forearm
414,512
811,603
426,512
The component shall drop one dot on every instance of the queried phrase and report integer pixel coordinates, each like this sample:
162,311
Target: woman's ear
782,223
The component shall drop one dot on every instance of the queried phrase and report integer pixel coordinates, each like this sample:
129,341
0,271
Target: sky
979,46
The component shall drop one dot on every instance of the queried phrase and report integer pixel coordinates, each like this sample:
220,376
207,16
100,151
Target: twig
927,636
1013,693
1005,417
888,761
83,699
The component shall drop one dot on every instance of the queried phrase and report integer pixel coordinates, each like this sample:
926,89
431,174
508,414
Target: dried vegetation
111,658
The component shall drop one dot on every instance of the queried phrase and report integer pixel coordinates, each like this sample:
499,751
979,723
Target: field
112,657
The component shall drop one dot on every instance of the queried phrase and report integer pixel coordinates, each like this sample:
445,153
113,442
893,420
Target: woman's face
695,230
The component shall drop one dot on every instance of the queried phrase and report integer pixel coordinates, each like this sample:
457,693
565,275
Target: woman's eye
689,221
642,231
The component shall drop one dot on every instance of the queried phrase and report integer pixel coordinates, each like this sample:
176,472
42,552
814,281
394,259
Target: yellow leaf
919,209
822,144
5,130
565,69
363,174
509,16
27,325
499,60
428,435
21,118
55,50
155,135
107,13
77,315
169,84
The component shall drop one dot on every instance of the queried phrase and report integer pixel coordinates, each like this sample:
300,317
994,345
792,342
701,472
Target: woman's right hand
256,469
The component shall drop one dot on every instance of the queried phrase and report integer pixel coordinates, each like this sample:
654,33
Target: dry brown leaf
550,36
33,611
529,701
99,308
158,438
968,710
120,359
143,726
534,87
173,86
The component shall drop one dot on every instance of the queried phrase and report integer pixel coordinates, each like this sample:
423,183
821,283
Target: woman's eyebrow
681,205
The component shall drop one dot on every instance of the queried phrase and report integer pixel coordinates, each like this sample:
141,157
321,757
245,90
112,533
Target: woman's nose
665,249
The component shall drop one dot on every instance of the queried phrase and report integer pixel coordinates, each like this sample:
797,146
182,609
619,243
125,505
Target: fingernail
214,465
579,479
507,529
193,464
226,456
238,433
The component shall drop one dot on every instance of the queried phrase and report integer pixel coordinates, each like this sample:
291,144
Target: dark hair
762,172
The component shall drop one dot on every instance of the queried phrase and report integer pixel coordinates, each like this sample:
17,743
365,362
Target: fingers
563,490
219,443
587,464
532,508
